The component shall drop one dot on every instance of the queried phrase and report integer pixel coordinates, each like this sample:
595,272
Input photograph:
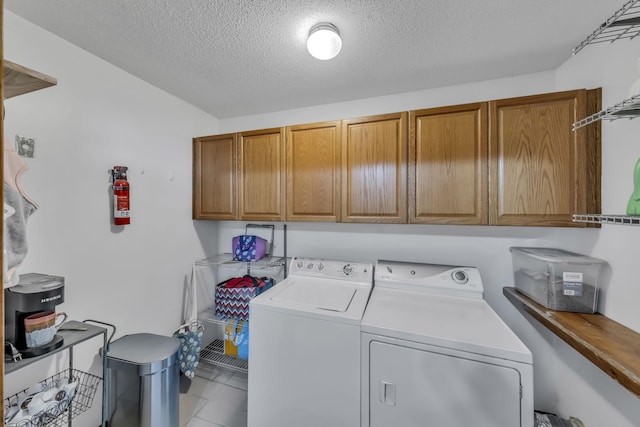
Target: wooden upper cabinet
541,171
513,161
261,175
374,159
214,182
448,165
313,172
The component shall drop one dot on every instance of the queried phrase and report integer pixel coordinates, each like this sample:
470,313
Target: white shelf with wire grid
623,24
274,262
214,355
607,219
629,108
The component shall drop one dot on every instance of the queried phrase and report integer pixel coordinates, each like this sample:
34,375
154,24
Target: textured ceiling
240,57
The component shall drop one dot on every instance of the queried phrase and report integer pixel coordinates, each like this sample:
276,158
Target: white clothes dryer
304,346
435,353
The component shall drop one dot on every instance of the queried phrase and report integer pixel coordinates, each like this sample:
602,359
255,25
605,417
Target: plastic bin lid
151,353
557,255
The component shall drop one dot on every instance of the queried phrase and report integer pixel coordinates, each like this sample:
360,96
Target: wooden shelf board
19,80
612,347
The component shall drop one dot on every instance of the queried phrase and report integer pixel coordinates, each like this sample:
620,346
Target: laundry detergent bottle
633,207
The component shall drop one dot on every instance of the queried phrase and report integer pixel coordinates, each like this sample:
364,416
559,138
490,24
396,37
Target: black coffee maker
34,293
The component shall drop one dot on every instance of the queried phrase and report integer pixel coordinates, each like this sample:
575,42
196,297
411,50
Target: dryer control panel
332,269
431,278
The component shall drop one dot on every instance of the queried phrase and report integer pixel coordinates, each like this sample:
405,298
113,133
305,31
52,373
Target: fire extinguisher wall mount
121,200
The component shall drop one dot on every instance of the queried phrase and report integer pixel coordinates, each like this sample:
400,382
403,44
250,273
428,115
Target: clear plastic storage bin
558,279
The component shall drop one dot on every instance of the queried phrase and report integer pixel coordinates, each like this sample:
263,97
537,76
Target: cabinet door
214,182
261,175
374,159
313,172
448,165
408,386
541,171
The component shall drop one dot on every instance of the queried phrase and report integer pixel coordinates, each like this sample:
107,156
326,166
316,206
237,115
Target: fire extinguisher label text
120,207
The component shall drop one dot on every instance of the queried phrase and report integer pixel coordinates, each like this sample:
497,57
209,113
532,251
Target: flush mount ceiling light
324,41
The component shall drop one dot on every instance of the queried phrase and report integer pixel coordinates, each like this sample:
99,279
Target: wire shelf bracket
629,108
624,24
607,219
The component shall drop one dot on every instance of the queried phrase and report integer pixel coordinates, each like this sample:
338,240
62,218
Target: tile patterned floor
216,398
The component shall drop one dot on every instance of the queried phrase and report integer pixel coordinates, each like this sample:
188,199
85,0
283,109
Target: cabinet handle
387,393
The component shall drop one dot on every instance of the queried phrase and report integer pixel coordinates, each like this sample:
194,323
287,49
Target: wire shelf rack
274,263
623,24
607,219
63,406
214,354
629,108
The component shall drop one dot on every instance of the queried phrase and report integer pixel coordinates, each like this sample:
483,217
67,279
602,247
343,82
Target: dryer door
413,387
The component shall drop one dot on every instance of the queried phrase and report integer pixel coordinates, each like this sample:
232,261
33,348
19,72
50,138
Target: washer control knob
320,267
347,269
310,266
460,277
300,264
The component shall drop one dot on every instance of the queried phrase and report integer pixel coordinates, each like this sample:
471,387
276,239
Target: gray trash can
143,374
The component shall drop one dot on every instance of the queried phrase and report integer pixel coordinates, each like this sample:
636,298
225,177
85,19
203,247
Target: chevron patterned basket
232,296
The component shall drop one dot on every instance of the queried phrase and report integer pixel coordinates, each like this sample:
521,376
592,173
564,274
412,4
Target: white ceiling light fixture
324,41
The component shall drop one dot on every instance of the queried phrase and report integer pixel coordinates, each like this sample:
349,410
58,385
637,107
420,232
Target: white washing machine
304,346
435,353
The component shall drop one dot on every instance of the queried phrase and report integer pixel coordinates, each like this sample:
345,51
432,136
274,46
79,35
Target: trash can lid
151,352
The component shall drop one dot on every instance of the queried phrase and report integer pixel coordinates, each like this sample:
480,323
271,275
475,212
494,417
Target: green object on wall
633,207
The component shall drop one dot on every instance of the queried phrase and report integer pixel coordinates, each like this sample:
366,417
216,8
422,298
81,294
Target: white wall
613,67
462,94
96,117
99,116
565,382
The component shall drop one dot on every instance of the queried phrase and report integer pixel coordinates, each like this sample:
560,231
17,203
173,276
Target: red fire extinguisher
121,201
